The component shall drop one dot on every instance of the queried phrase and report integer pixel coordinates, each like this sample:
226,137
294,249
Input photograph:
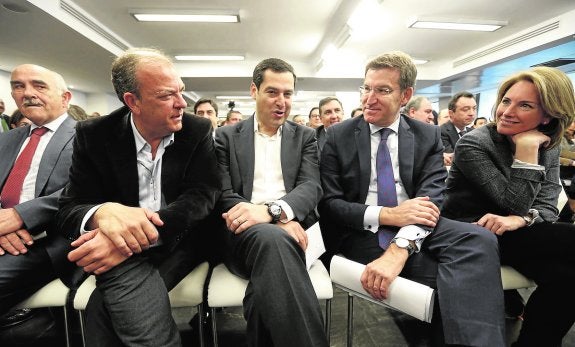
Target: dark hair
313,108
478,118
453,101
328,99
274,64
203,101
355,110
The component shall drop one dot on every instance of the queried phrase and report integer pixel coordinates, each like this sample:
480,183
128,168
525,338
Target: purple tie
386,194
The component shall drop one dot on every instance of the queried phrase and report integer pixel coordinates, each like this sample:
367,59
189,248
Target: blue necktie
386,194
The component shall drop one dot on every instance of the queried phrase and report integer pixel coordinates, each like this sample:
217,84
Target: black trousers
544,252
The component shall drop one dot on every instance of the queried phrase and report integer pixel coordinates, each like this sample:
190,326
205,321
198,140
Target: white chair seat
54,294
512,279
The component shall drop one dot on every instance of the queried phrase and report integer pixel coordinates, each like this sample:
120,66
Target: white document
412,298
315,246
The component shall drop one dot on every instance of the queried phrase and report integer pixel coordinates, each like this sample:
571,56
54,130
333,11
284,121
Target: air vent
508,43
556,62
106,34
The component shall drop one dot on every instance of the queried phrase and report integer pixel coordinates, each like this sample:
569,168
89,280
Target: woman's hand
527,145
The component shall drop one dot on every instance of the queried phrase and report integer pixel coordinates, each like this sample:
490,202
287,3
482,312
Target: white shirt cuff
287,210
87,217
518,164
371,218
413,233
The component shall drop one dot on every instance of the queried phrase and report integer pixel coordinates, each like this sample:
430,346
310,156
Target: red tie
12,189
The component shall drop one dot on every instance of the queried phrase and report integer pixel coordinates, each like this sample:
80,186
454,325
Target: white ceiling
80,38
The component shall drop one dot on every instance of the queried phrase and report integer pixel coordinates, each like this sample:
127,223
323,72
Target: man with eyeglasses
314,118
462,111
383,180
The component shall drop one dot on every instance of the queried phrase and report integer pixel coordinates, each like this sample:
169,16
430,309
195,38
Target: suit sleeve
448,148
307,192
340,188
83,191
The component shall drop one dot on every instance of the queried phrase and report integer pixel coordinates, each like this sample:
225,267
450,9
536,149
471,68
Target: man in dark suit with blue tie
33,171
382,192
271,187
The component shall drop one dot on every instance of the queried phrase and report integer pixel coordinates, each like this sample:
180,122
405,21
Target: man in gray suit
32,253
457,259
271,187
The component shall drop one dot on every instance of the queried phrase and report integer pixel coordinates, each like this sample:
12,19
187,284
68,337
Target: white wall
91,102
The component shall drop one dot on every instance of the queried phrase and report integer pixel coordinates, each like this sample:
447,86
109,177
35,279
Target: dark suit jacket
321,137
236,157
450,136
346,166
104,169
39,214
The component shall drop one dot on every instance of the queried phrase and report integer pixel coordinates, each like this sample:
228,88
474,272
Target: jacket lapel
121,147
406,155
290,152
52,153
245,153
363,145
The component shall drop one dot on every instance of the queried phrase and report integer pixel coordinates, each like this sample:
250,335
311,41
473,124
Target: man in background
4,118
419,107
233,117
330,113
314,118
207,108
462,111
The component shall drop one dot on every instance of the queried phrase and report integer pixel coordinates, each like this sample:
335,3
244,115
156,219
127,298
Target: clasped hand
420,210
244,215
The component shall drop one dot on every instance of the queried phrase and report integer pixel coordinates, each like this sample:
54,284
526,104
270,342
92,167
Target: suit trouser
280,305
544,252
461,261
22,275
130,306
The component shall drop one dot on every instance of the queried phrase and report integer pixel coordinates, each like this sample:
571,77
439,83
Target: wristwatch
405,244
531,217
275,210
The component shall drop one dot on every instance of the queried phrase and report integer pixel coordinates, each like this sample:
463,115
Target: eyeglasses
378,91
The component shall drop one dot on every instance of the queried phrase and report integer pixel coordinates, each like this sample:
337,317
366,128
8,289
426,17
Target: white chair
53,294
187,293
228,290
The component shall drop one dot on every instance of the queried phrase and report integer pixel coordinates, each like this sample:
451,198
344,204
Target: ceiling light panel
190,17
456,25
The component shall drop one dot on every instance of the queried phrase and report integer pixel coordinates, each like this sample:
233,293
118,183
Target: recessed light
456,25
198,18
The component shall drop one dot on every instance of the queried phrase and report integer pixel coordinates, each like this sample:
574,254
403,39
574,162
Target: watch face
275,210
402,243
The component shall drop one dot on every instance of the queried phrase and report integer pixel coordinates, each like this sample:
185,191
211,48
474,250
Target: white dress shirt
29,185
371,216
268,176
